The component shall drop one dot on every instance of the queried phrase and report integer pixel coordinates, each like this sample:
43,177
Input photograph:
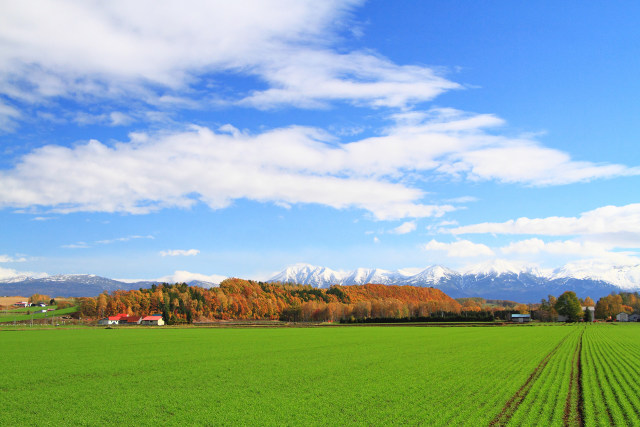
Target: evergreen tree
587,315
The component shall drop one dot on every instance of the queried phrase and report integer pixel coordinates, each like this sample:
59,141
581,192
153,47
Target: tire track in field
574,407
512,404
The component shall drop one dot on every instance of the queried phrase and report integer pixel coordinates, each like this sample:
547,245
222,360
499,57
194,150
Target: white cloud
567,247
462,199
620,223
404,228
7,258
584,249
114,118
376,239
8,117
77,245
284,166
161,53
185,276
9,273
180,252
291,165
123,239
460,248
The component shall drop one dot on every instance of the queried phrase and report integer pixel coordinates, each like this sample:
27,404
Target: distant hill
74,285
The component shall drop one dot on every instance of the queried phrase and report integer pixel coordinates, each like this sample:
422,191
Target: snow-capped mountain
363,276
496,280
309,275
625,277
75,285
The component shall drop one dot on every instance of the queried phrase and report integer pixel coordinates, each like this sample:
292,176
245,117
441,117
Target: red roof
152,318
114,317
133,319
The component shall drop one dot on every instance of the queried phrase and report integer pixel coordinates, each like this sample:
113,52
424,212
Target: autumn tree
609,306
36,298
568,305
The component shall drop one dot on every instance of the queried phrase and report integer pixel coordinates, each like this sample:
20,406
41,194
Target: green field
321,376
20,314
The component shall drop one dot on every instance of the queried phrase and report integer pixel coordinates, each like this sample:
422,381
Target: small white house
634,318
22,304
622,317
111,320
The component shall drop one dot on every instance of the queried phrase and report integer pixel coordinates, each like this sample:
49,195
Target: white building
622,317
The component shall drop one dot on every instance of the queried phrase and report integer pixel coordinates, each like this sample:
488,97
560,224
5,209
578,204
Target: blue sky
156,140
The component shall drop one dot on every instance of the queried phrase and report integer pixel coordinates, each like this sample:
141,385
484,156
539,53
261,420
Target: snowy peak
500,267
361,276
309,274
499,279
626,277
436,273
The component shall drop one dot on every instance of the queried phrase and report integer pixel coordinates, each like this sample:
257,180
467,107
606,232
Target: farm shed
634,318
520,318
152,320
22,304
111,320
622,317
130,320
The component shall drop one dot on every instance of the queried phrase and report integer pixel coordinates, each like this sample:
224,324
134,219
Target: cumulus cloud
620,223
150,172
586,249
284,166
404,228
459,249
166,53
180,252
566,247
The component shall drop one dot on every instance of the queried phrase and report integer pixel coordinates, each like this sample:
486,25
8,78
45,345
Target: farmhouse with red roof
123,319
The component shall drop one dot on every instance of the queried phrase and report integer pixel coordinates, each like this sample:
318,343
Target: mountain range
75,285
495,280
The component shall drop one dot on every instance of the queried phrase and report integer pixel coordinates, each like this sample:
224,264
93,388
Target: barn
520,318
130,320
152,320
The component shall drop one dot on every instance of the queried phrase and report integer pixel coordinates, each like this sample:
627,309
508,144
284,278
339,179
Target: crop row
611,362
546,400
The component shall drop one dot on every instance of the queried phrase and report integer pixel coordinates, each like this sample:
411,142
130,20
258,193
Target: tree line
570,306
247,299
